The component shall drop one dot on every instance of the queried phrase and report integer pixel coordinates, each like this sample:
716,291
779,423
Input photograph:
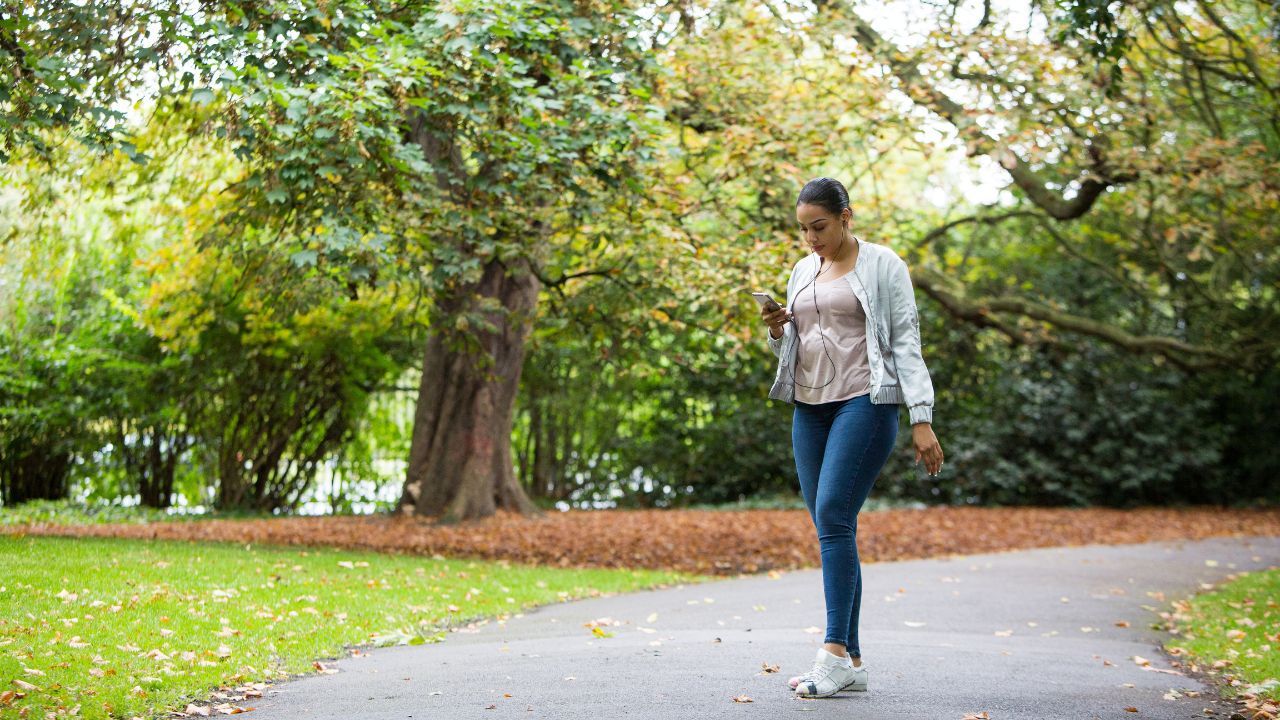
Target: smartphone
766,302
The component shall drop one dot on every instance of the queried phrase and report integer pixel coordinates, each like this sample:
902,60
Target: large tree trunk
460,464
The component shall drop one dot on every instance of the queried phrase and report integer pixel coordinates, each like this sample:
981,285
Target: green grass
126,627
1239,622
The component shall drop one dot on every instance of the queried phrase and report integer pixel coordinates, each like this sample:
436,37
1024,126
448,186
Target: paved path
1018,635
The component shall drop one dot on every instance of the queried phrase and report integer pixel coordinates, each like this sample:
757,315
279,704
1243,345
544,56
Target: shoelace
811,673
820,671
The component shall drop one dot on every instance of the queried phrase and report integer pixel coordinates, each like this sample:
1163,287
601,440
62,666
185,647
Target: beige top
844,325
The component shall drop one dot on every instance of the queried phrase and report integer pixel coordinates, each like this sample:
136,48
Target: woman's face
823,232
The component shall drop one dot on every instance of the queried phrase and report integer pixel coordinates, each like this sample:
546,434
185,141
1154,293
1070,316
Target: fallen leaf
712,541
743,699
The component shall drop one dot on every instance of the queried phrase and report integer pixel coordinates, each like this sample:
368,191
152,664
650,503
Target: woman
848,347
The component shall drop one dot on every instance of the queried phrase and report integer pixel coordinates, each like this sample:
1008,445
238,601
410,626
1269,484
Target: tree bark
543,453
460,462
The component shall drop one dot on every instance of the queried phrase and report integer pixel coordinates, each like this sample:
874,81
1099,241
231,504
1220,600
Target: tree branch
557,282
980,311
1092,185
941,230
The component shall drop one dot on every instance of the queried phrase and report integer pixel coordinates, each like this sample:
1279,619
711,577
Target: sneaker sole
853,685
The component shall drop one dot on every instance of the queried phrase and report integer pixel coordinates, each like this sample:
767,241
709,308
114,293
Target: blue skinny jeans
840,448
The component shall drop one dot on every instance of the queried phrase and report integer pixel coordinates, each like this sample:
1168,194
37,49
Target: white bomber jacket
882,284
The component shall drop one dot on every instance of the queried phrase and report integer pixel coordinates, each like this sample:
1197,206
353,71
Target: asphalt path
1037,635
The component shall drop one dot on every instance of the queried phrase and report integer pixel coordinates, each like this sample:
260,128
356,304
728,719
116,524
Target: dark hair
826,193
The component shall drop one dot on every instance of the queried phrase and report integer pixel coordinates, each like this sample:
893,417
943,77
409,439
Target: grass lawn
122,628
1236,626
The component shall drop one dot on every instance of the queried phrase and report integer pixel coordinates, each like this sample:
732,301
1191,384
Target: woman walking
848,347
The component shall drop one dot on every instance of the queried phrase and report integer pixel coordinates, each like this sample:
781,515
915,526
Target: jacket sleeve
777,345
904,338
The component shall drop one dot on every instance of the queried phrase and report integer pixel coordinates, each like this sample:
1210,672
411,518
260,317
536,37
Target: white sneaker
860,682
829,675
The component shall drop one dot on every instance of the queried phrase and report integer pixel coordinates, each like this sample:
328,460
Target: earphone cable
822,335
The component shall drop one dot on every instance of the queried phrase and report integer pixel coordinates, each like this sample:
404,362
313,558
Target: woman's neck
848,250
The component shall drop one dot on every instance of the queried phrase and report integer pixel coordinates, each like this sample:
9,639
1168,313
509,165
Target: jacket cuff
921,414
775,344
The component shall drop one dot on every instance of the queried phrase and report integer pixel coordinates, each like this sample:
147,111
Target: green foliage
287,361
67,67
335,177
49,331
1084,428
226,378
67,512
672,429
40,433
1094,24
438,137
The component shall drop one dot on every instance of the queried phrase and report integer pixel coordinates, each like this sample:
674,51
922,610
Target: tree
472,137
1118,146
452,144
508,159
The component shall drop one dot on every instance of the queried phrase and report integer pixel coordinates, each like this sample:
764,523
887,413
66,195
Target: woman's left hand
927,447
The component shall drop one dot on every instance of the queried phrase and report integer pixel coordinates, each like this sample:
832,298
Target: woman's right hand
775,319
